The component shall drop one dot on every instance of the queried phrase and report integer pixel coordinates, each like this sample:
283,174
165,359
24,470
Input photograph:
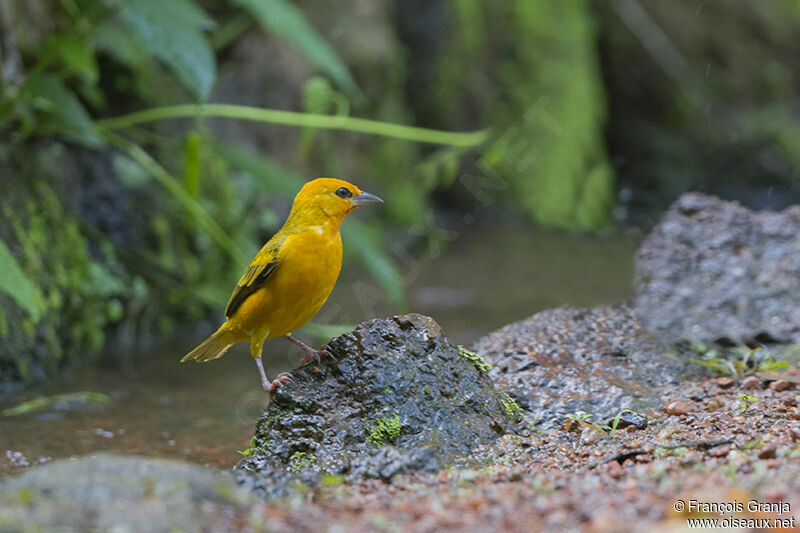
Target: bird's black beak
366,198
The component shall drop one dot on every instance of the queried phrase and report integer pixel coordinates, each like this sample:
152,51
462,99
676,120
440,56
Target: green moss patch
384,430
480,363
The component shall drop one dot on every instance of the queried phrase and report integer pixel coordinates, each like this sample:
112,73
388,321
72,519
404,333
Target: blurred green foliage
548,104
82,253
130,202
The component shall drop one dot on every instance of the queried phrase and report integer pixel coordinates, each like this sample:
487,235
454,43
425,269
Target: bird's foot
311,353
285,377
316,355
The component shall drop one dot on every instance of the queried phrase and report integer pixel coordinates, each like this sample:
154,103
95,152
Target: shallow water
204,413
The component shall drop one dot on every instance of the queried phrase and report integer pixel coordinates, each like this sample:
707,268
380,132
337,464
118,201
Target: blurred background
547,136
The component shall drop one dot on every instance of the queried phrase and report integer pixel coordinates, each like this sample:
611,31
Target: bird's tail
213,347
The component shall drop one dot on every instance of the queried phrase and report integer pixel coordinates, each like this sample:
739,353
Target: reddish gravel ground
707,445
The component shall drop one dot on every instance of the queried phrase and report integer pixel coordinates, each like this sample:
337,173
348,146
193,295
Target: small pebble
615,470
720,451
515,476
780,385
715,403
677,408
724,383
690,458
751,383
767,452
589,436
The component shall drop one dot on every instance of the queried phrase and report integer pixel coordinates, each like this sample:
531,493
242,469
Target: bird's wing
254,277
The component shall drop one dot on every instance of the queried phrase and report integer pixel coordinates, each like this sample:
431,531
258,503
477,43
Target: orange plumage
289,280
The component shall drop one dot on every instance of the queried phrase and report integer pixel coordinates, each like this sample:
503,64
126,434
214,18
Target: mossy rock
398,397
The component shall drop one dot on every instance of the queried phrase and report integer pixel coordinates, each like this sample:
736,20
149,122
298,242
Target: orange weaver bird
290,278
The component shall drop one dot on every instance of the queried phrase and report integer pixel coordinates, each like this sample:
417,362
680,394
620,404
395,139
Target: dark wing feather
253,278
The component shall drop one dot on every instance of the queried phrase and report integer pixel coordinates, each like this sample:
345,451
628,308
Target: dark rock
628,418
562,361
768,452
114,493
399,397
712,269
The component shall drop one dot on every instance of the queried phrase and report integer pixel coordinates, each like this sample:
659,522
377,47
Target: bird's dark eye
343,192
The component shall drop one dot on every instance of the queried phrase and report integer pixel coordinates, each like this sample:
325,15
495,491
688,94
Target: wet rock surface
399,397
598,361
712,269
116,493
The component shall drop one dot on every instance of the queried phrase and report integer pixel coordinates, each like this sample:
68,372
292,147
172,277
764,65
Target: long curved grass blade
304,120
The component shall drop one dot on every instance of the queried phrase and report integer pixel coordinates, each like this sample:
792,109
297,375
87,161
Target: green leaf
66,114
285,19
122,45
367,244
173,32
16,284
75,53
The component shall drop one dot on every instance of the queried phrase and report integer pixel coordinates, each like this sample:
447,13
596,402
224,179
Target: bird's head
329,199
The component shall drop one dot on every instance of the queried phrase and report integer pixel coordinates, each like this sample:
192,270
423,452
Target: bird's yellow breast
308,266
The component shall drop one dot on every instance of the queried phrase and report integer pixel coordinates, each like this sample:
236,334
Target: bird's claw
285,377
326,350
316,356
310,356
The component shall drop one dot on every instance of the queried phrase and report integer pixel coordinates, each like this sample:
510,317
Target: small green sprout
747,401
299,460
580,416
249,450
614,423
